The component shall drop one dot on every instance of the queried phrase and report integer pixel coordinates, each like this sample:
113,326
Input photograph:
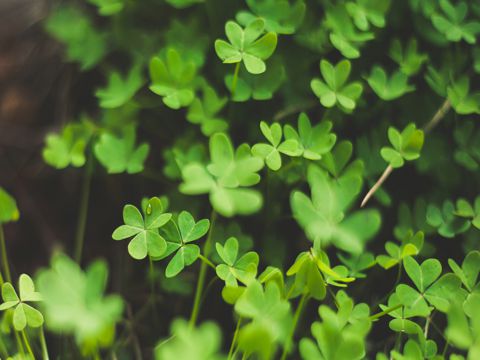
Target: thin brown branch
377,185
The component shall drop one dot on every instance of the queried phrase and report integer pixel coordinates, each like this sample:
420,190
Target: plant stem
296,317
3,248
234,340
83,209
3,349
439,115
235,78
43,344
206,261
203,272
151,274
20,347
27,344
385,312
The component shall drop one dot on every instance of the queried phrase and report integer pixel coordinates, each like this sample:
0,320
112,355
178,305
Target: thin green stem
3,248
3,348
206,261
385,312
234,340
20,347
296,317
235,78
83,210
151,274
43,344
203,272
27,344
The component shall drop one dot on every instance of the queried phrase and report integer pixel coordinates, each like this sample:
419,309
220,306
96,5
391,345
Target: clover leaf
271,153
467,152
247,45
23,314
463,102
187,37
406,145
243,268
463,332
280,16
181,4
451,22
8,207
84,43
356,264
74,302
410,246
388,88
409,59
108,7
323,215
313,142
144,229
119,154
187,342
173,78
334,89
68,147
226,178
179,236
445,220
469,211
120,89
401,315
205,112
366,12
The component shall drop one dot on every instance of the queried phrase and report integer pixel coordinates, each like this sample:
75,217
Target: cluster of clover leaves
285,111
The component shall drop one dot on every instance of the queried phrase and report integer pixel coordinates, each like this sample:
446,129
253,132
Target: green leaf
186,255
388,88
205,112
422,275
8,207
191,230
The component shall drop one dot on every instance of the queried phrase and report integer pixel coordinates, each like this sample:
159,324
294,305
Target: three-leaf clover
226,178
472,212
119,154
388,88
173,78
396,253
178,241
446,220
406,145
120,89
271,153
8,207
451,22
243,268
462,101
205,112
247,45
334,89
313,141
366,12
144,229
408,58
24,314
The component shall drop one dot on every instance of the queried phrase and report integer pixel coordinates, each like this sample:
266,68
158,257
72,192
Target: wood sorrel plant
251,134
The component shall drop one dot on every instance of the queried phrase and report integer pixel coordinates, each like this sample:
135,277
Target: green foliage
406,146
334,90
204,112
408,58
462,101
445,220
74,302
410,246
247,45
23,313
108,7
8,207
389,88
467,153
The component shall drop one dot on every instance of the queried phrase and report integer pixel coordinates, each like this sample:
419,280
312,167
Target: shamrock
451,22
438,293
84,43
23,314
313,142
173,79
463,102
271,152
205,112
410,246
409,59
445,220
74,302
366,12
226,178
68,147
335,90
243,269
8,207
340,335
323,215
120,90
336,162
178,239
108,7
388,89
186,342
406,145
247,45
118,154
144,229
280,16
466,210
